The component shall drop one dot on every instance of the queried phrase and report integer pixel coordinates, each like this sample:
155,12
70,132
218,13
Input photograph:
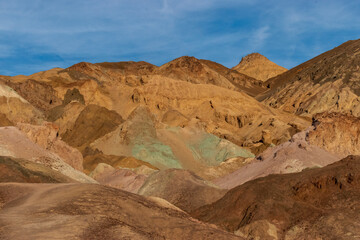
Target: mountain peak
259,67
253,56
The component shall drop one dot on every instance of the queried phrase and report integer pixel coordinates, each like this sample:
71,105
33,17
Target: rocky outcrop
73,95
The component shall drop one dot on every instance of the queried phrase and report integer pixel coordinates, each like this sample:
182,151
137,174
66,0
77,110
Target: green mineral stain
155,153
213,150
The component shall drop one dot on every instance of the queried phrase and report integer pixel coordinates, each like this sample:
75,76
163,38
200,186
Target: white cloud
258,38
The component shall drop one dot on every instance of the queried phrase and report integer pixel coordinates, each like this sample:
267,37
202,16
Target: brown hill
304,205
328,82
182,188
92,123
259,67
92,211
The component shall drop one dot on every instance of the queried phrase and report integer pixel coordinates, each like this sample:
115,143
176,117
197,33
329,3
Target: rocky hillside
328,82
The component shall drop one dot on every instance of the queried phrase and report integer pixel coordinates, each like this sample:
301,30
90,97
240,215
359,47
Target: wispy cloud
258,38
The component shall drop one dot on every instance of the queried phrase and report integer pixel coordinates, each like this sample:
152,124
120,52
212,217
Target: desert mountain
328,82
304,205
259,67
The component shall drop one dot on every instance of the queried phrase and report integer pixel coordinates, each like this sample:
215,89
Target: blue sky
38,35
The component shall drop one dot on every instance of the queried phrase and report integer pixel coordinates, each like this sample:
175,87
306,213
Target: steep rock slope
88,211
318,203
259,67
182,188
328,82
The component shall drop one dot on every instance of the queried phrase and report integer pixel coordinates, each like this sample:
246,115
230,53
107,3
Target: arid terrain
187,150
